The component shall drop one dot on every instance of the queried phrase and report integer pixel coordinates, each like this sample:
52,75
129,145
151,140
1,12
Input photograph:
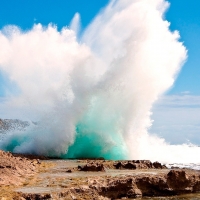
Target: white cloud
185,92
177,118
185,100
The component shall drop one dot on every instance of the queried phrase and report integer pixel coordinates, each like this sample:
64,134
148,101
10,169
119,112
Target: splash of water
92,97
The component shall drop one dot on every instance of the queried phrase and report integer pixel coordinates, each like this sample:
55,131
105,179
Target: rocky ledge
174,182
91,179
102,165
15,169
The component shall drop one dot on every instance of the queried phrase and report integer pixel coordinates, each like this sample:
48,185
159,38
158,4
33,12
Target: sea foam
92,96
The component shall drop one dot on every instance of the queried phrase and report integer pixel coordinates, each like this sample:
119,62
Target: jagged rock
157,165
125,165
13,168
94,167
118,165
114,188
180,181
16,169
153,186
133,185
172,183
138,164
36,196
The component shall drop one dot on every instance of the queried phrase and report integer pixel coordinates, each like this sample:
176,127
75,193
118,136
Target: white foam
107,83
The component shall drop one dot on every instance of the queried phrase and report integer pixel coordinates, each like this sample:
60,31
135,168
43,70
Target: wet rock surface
130,186
93,166
101,165
138,164
95,179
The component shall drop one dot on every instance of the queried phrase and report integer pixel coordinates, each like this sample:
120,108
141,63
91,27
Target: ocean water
195,166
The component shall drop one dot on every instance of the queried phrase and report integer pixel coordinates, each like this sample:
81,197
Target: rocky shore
14,169
26,177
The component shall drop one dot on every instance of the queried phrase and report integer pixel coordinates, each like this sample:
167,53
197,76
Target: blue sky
25,13
177,115
183,15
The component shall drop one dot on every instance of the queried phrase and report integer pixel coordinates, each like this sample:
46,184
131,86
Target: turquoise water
91,140
92,144
97,132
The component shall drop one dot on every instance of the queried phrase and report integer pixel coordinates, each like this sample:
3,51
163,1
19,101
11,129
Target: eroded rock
93,167
138,164
13,169
181,181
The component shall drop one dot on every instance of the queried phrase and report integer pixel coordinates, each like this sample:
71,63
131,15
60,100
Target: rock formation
93,166
15,169
143,178
101,165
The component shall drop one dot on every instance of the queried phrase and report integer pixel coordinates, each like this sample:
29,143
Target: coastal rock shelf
101,165
30,178
14,169
131,186
117,186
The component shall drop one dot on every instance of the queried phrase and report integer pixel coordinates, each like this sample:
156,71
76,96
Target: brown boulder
179,180
157,165
129,165
125,165
115,188
94,167
138,164
153,185
36,196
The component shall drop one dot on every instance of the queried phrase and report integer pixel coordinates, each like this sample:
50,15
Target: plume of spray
75,24
92,97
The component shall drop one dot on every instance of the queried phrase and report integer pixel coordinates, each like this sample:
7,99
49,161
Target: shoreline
91,179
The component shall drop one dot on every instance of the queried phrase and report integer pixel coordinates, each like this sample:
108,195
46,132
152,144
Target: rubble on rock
117,187
99,165
15,169
93,166
143,179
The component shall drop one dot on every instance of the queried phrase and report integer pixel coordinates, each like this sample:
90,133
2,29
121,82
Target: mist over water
92,96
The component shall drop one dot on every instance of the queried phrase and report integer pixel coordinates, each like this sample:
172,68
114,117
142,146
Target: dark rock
153,186
36,196
118,188
164,167
148,163
129,165
175,167
157,165
118,165
134,193
94,167
179,180
138,164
